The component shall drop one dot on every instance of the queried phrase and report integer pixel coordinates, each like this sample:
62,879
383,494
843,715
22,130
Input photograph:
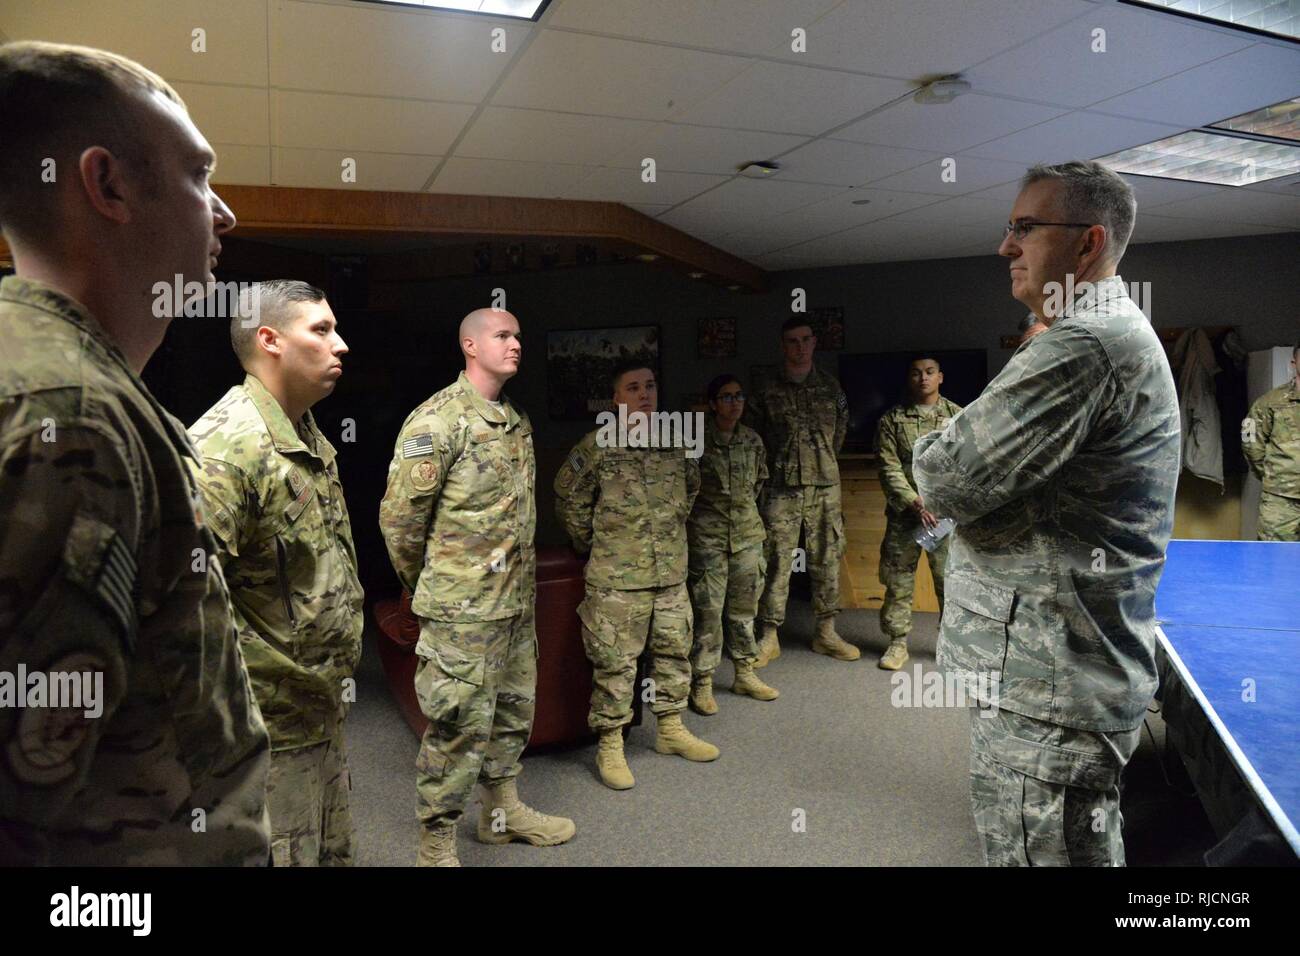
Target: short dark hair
796,322
716,385
275,301
923,356
623,366
56,101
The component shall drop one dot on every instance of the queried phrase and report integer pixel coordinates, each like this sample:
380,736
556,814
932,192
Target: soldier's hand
928,519
918,505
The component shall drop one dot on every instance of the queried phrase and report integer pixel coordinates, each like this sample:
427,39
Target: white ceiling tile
947,128
571,72
1062,67
649,208
497,177
379,125
738,26
1286,185
989,214
836,162
969,175
1167,229
793,99
627,186
707,149
837,213
1153,191
242,165
228,114
1078,135
1239,205
542,136
387,50
156,33
1004,193
744,204
323,168
909,39
1250,79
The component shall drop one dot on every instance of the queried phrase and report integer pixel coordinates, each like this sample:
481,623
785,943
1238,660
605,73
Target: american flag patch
418,447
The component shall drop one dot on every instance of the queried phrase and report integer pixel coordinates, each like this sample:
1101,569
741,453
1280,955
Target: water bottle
929,538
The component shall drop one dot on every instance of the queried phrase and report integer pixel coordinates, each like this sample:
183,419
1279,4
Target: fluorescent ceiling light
521,9
1281,121
1278,17
1205,157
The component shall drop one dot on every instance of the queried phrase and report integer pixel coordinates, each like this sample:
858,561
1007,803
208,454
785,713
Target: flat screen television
875,382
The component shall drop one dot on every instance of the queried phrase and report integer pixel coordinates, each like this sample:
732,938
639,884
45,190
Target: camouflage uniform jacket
459,514
1274,455
725,518
1061,477
897,432
99,523
276,506
628,507
803,425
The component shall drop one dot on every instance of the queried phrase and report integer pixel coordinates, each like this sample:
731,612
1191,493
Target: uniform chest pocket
620,476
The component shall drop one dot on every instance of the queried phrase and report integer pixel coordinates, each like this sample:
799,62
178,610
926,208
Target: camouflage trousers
1047,795
308,795
616,628
816,510
1279,518
899,554
477,685
724,592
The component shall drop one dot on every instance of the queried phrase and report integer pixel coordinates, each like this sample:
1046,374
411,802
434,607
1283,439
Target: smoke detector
943,90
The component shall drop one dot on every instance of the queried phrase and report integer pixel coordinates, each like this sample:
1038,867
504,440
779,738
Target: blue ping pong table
1228,646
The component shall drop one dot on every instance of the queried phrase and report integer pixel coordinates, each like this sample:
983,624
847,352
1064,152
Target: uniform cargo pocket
975,618
445,681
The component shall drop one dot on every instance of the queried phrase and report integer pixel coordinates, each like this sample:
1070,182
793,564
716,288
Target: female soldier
726,536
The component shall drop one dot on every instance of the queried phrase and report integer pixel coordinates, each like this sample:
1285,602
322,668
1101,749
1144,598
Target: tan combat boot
769,648
831,644
701,700
505,817
438,846
674,738
748,683
611,763
895,655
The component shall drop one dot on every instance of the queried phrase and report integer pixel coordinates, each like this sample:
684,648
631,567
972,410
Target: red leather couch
563,673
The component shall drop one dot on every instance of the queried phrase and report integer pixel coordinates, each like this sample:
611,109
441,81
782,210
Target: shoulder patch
842,401
424,475
49,738
96,558
418,446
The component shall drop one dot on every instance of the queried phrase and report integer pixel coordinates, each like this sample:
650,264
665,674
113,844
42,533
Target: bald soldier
1271,444
105,556
272,493
458,519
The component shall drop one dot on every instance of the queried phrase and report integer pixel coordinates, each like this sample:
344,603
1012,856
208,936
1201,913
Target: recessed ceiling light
1281,121
760,170
861,202
518,9
647,256
943,90
696,275
734,288
1277,17
1206,157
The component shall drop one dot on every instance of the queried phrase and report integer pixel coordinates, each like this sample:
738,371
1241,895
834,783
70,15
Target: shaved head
474,324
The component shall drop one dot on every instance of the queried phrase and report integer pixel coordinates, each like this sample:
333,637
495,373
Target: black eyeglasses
731,398
1022,228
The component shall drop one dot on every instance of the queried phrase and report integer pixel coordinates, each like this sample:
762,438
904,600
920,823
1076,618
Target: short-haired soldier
271,488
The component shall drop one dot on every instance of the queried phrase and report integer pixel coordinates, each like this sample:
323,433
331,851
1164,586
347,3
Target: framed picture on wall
716,337
578,363
828,326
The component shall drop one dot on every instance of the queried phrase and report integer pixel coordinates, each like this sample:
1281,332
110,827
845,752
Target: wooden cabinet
863,502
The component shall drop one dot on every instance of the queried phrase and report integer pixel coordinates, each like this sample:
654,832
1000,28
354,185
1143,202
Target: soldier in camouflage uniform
802,417
458,519
101,519
272,493
1061,478
725,534
1271,444
627,506
905,510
